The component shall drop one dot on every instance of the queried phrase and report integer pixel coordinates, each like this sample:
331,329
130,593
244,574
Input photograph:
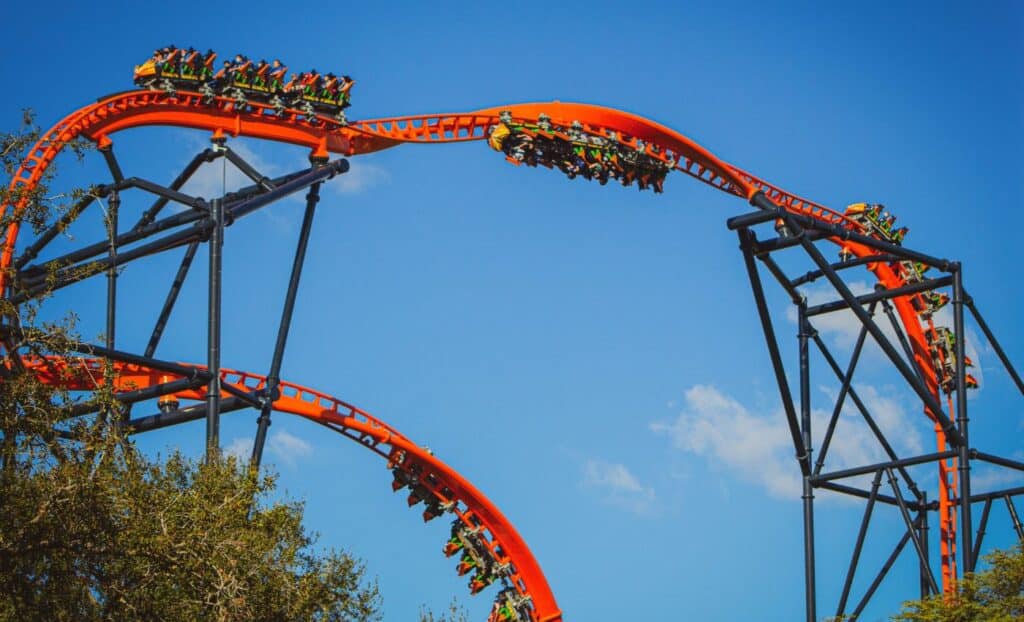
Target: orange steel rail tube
147,108
86,374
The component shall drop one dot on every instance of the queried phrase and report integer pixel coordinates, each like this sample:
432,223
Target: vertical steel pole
274,377
1013,517
808,489
922,555
855,558
746,243
966,527
922,535
113,205
213,331
981,529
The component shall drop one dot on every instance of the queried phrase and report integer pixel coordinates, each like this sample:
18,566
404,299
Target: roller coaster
578,140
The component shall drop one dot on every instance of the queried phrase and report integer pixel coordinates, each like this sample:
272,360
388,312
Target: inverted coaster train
567,136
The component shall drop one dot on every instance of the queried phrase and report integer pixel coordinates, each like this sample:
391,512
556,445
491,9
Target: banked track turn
323,135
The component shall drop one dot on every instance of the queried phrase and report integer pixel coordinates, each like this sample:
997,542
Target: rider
260,74
276,75
206,72
190,62
343,91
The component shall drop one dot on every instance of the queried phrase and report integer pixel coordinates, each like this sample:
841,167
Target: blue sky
588,356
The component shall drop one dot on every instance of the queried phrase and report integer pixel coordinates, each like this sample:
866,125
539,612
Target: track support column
967,526
274,377
213,331
805,332
113,206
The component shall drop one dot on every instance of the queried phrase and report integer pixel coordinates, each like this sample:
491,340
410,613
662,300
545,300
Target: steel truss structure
891,483
201,222
213,390
479,529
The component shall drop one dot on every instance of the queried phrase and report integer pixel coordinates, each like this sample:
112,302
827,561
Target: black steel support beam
982,524
248,170
274,376
165,311
208,155
32,250
995,343
897,328
858,546
783,280
814,275
135,359
882,294
746,240
113,206
922,554
922,534
847,380
39,281
232,200
163,192
1013,516
804,334
213,331
871,468
1004,462
880,576
140,395
249,397
761,201
952,434
107,152
774,245
964,463
862,494
179,416
172,298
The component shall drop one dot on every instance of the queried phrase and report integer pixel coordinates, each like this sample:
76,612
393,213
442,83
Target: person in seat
329,88
311,84
242,74
479,582
206,71
344,94
260,74
190,63
276,75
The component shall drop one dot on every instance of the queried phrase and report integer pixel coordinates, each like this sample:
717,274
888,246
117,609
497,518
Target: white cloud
759,449
843,327
288,449
282,447
620,487
989,478
361,176
720,428
213,179
240,448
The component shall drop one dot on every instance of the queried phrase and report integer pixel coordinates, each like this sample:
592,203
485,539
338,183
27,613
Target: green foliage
992,595
91,529
455,613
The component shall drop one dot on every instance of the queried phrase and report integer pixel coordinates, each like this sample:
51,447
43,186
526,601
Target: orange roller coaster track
322,135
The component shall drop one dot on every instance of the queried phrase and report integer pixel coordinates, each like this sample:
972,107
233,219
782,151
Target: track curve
449,488
322,135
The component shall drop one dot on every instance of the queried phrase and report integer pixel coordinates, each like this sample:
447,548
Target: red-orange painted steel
83,374
144,108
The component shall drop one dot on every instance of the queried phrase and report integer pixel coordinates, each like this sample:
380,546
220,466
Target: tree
92,529
456,613
992,595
